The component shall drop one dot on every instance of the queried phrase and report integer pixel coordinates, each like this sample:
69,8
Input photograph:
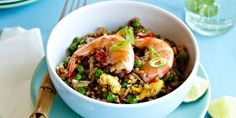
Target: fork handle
45,99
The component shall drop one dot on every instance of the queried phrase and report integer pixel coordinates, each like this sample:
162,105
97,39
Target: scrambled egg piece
111,81
153,89
137,89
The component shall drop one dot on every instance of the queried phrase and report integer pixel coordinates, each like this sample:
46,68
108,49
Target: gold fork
47,91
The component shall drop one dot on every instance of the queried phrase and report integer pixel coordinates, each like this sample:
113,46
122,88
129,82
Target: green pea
73,47
76,40
80,69
136,24
138,63
183,56
97,73
81,90
66,61
111,97
131,99
129,96
84,77
78,77
67,82
123,84
104,95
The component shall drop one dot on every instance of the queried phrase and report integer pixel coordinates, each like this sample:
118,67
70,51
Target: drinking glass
210,17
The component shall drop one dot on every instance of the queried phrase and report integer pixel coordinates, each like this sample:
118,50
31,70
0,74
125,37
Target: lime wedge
199,87
224,107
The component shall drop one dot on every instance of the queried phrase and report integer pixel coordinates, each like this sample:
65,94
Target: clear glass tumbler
210,17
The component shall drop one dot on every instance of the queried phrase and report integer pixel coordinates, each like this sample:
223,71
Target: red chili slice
151,34
101,56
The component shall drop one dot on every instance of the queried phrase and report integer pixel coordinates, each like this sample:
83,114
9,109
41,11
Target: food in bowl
127,66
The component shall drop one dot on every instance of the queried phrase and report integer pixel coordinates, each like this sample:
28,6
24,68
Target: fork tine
72,5
85,2
77,6
64,10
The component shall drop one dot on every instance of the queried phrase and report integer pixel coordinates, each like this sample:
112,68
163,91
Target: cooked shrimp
162,49
119,59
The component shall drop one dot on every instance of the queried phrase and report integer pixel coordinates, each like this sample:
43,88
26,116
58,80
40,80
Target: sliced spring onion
121,27
145,31
157,62
130,35
120,45
138,63
152,52
83,83
127,33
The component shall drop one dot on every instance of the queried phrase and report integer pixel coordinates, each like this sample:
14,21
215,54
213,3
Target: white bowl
112,14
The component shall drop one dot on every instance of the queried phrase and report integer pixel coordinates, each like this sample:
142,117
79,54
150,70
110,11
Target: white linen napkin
20,52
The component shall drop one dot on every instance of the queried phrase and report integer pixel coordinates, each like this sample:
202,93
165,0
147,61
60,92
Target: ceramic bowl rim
163,98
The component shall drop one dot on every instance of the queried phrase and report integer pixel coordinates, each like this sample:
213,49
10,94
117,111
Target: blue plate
59,109
15,3
8,1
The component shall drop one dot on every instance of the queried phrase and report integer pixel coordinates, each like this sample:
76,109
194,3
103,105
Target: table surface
217,54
